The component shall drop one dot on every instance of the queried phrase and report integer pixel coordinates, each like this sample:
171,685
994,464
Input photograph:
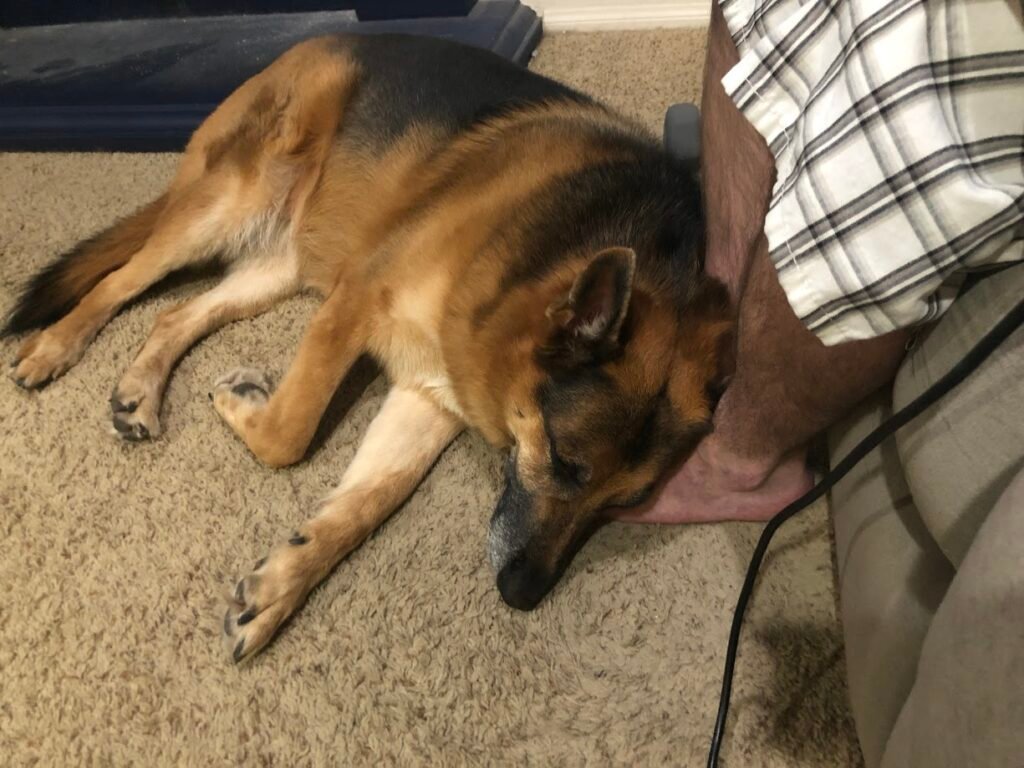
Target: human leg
788,385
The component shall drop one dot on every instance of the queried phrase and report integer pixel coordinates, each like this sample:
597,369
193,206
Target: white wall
621,14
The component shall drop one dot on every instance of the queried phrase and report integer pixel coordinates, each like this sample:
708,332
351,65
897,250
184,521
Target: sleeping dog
519,258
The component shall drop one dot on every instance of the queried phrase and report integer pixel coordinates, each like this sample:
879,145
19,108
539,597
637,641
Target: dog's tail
56,290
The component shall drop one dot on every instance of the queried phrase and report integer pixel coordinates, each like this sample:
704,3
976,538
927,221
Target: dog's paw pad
127,427
247,383
120,404
239,394
133,413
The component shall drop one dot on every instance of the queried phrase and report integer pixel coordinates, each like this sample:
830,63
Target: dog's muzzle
511,523
521,581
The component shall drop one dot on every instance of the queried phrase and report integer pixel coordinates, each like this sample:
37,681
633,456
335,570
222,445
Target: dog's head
618,385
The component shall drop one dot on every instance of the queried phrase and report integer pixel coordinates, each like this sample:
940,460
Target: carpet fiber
114,558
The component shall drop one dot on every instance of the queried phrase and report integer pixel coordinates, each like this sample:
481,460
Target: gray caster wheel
682,133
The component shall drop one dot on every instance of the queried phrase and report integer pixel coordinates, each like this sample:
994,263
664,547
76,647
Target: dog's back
406,80
428,121
456,176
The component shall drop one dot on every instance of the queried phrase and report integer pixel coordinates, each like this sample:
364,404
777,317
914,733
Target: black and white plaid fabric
898,132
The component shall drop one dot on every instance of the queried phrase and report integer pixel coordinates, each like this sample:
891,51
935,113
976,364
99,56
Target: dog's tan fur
266,182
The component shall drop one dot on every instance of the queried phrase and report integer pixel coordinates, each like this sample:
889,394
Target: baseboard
584,15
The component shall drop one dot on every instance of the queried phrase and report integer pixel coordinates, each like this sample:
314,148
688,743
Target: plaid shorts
898,135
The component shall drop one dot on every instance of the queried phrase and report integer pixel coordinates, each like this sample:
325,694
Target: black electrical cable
960,371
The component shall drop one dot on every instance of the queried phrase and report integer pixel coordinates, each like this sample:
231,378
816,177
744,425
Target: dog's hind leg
247,171
400,447
252,288
184,232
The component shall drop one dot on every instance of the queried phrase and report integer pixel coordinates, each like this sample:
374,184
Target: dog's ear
585,324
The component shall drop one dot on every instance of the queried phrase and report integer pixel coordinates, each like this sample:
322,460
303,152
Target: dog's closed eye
635,498
567,470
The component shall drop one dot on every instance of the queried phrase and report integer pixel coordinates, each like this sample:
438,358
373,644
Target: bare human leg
787,386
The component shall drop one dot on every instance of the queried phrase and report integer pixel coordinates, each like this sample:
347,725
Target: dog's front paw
42,358
264,599
134,409
240,394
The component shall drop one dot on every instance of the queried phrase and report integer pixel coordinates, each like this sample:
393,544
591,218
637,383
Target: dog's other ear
586,322
705,356
713,303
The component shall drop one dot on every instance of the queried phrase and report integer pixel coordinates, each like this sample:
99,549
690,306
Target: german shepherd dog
518,258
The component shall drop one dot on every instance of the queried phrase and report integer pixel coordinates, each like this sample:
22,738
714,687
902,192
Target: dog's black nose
523,584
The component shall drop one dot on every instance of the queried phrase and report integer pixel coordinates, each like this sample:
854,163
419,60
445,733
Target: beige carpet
113,558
